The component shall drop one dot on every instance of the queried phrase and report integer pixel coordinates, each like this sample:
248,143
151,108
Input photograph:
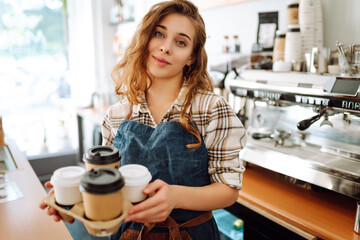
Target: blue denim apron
163,151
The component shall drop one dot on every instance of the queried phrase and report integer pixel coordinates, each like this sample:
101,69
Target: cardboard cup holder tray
96,228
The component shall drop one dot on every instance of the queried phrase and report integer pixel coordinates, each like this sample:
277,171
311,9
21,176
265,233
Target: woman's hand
156,208
164,198
51,211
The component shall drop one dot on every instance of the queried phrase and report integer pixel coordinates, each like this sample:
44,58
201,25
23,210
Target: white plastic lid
67,176
280,32
293,26
135,174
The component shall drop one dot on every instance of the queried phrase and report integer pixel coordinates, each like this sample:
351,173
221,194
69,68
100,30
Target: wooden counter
324,214
22,218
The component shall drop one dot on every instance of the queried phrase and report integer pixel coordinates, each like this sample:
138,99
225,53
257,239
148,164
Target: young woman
169,120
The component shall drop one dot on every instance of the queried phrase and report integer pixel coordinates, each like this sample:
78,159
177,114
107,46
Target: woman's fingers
149,215
56,218
42,205
154,186
155,208
149,203
153,202
48,184
51,211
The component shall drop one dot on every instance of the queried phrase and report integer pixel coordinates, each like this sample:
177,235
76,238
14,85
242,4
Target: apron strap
145,230
174,227
198,220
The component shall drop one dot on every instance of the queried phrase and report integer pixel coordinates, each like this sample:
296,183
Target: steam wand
326,112
305,124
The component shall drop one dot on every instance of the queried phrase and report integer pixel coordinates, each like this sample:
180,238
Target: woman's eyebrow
182,34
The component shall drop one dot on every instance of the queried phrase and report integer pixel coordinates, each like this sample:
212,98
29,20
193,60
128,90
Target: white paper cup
136,178
66,183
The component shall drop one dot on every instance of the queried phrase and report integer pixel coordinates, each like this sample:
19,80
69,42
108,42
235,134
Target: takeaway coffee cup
66,183
136,178
102,195
101,156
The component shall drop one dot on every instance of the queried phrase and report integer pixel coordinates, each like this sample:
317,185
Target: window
35,94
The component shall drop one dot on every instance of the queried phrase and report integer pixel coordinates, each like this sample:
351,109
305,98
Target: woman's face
171,46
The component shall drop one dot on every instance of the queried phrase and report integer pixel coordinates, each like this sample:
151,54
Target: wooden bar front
22,218
324,214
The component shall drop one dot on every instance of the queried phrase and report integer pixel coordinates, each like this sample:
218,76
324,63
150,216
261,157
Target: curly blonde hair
130,74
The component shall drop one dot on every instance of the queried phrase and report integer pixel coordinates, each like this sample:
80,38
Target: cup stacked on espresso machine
292,52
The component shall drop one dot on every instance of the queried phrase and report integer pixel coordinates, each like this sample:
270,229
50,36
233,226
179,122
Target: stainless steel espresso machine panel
300,130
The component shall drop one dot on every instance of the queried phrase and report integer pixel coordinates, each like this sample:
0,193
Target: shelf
123,21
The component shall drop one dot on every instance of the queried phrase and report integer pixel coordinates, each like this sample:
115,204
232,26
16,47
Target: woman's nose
166,47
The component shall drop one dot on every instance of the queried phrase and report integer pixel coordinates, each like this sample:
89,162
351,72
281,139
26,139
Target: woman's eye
181,43
159,34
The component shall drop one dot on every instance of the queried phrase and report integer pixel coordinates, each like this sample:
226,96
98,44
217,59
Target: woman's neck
160,96
164,90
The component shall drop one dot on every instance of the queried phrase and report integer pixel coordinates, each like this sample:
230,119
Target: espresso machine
304,126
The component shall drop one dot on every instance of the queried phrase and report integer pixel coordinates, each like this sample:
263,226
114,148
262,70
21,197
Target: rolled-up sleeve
225,137
112,120
107,136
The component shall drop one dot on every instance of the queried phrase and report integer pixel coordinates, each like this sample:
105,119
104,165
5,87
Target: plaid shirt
224,135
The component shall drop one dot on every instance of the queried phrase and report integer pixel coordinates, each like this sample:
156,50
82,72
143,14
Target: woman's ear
191,60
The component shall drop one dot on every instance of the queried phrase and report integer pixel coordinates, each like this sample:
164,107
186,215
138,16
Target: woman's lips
161,61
